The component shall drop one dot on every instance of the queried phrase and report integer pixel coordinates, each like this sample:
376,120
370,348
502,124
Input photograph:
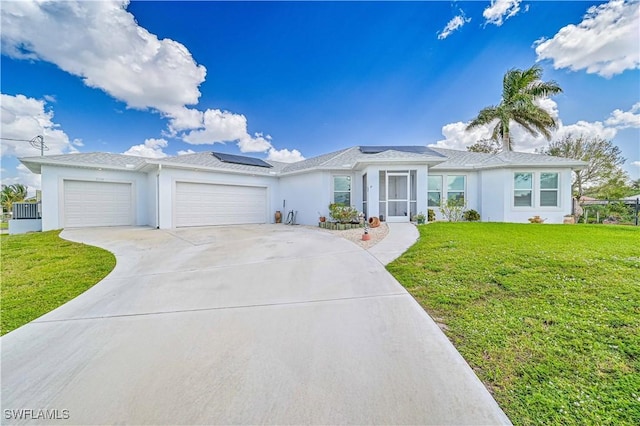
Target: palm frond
543,89
485,116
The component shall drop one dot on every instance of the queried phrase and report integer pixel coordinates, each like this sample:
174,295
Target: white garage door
202,204
89,203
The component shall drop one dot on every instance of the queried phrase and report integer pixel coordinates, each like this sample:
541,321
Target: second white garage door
202,204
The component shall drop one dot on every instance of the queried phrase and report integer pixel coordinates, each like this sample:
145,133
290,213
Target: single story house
211,188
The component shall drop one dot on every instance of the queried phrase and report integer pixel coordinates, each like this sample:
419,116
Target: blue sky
287,80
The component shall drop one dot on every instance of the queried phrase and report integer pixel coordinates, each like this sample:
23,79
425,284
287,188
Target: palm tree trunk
506,139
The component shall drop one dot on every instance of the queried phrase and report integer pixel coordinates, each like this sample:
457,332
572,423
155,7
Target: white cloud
456,137
624,119
186,152
606,42
454,24
586,129
185,119
101,42
151,148
284,155
255,143
218,127
636,163
224,126
501,10
24,118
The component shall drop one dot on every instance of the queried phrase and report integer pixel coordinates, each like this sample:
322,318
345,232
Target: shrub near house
343,214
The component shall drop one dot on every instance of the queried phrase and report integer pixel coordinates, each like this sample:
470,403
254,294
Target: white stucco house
209,188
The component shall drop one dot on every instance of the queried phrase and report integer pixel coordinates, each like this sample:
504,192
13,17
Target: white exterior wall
22,226
550,214
169,177
490,192
152,200
497,196
373,194
306,193
494,195
53,191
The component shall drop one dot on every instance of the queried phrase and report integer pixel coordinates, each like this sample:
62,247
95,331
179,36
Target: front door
398,197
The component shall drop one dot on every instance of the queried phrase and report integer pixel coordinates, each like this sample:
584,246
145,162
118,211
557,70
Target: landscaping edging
340,226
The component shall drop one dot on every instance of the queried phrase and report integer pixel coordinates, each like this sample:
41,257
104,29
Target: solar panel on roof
382,148
240,159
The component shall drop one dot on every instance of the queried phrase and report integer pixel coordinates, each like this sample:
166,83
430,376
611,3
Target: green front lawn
41,271
547,315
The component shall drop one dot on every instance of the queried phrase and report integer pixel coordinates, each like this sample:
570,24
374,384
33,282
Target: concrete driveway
252,324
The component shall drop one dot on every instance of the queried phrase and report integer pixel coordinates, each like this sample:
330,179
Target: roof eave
194,167
427,160
35,165
572,166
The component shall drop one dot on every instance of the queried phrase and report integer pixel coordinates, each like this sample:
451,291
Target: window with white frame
455,188
523,189
342,190
434,190
549,189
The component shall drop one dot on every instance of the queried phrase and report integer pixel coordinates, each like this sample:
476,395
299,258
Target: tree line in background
603,178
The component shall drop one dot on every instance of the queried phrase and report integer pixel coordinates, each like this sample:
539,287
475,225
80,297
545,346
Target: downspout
158,196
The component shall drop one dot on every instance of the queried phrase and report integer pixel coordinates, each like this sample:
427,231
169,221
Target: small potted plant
322,218
366,236
420,218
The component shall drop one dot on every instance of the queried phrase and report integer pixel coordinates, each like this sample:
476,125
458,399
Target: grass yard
41,271
547,315
4,225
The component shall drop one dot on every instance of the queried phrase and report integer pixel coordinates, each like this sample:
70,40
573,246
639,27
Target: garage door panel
200,204
89,203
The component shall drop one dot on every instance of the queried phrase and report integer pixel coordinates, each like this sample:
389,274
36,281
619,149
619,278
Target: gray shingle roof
314,162
208,160
477,160
87,159
350,156
439,158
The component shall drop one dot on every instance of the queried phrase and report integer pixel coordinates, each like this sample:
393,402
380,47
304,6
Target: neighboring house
395,182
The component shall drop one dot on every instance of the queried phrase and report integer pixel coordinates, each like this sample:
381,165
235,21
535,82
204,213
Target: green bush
431,215
596,213
343,214
471,216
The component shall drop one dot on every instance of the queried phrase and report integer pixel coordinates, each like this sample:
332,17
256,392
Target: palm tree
10,194
520,88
